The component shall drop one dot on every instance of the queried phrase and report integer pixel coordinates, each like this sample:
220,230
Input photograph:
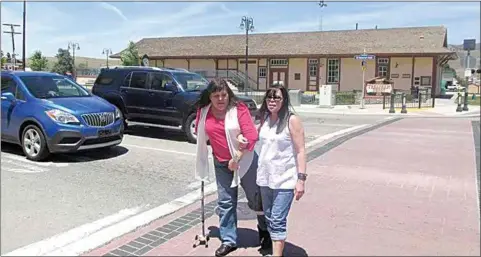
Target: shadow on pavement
249,238
156,133
81,156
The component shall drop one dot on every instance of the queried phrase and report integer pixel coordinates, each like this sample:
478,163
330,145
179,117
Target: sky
110,25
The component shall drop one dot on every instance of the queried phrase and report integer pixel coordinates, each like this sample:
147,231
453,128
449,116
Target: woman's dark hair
214,86
284,112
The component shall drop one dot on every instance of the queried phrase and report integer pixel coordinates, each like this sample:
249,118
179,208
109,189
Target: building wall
176,63
351,73
297,66
407,71
423,66
401,72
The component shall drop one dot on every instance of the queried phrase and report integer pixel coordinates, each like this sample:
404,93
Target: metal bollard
459,108
391,108
403,108
465,107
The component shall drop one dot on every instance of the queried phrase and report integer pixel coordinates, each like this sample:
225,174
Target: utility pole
107,52
24,47
247,23
12,34
321,5
73,46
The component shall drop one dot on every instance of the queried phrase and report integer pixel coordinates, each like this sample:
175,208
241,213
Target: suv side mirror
170,86
8,96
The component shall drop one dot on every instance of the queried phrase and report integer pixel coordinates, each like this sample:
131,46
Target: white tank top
277,165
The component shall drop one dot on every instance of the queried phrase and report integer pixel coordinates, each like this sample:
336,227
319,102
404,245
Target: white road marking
103,236
23,167
331,135
53,243
23,159
158,149
21,170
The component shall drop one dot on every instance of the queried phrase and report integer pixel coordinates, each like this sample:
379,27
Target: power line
12,34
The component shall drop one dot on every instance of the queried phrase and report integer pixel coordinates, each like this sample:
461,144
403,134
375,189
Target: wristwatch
302,176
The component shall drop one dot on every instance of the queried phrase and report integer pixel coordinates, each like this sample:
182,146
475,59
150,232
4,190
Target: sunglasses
274,97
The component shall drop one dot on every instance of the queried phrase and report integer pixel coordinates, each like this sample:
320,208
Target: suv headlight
62,117
118,113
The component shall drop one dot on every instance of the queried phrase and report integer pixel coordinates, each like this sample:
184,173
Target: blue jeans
227,199
276,204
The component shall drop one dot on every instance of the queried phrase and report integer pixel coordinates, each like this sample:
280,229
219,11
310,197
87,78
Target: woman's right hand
233,165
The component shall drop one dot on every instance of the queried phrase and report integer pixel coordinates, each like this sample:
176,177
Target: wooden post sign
378,87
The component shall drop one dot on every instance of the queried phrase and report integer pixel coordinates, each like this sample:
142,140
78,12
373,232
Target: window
313,70
190,81
313,61
53,87
297,76
382,71
262,72
138,80
383,67
104,79
332,70
279,62
127,80
158,81
425,80
9,86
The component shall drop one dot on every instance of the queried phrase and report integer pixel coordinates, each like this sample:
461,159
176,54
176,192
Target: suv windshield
190,81
52,87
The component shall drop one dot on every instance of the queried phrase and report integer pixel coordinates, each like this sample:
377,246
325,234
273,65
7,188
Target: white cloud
114,9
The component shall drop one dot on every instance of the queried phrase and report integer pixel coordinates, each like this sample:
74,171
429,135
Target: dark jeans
227,199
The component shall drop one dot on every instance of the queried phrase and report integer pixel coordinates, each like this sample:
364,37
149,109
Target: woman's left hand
299,191
242,142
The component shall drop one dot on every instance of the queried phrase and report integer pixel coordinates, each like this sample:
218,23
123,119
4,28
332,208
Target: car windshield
53,87
191,81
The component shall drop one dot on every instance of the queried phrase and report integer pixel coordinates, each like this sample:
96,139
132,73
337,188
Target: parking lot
151,167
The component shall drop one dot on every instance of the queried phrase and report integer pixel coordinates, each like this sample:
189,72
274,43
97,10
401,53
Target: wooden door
280,76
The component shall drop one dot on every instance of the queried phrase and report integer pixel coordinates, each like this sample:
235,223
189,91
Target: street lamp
247,24
107,52
73,46
321,5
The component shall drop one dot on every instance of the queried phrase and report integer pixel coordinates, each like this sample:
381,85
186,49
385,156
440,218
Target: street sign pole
363,57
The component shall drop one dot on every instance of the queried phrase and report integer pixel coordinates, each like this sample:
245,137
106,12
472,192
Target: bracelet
302,176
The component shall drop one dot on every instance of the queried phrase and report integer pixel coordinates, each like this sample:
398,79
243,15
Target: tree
38,62
64,62
4,59
130,56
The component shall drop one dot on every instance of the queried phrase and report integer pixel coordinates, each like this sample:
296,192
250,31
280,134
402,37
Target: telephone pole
12,34
24,58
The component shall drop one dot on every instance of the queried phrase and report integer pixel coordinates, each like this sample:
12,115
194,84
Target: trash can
295,95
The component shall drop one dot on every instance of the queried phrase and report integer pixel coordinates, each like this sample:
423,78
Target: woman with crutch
221,118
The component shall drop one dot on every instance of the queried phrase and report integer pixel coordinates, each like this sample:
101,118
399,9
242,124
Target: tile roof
427,40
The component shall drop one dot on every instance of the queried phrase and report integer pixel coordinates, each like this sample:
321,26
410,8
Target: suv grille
100,119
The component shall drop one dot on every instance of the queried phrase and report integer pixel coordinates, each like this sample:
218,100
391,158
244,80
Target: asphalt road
151,167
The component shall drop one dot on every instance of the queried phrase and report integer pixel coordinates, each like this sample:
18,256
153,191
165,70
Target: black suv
161,97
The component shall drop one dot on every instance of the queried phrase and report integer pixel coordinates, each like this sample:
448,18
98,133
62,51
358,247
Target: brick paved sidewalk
407,188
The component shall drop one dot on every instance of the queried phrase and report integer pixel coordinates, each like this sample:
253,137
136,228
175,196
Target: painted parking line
159,150
20,167
25,160
322,138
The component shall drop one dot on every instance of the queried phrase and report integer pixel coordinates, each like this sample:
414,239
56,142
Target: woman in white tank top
281,171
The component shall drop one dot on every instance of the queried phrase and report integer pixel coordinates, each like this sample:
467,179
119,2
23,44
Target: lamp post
321,5
24,58
74,46
107,52
247,24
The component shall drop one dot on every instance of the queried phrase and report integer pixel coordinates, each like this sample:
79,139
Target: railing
421,98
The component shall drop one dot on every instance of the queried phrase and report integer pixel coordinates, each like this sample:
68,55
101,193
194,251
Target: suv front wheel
34,145
189,128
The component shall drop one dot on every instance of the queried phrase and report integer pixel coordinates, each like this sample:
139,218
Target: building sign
469,45
378,89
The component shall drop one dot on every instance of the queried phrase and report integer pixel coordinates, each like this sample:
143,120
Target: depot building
306,60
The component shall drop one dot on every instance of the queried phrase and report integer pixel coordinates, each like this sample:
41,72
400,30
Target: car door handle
123,91
151,93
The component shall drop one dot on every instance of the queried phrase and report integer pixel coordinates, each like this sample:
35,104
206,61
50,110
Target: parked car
162,97
48,113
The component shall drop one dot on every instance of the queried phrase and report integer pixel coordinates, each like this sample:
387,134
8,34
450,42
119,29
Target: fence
414,99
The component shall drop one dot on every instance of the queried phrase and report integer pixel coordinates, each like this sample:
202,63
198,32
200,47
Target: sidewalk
443,107
407,188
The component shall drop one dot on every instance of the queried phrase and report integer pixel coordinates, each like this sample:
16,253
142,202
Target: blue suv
49,113
158,97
